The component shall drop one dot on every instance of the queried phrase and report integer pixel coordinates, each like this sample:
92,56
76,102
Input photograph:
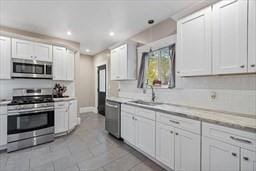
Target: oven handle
23,112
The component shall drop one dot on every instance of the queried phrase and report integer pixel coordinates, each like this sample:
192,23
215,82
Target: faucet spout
153,97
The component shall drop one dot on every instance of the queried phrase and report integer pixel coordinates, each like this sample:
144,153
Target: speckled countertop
119,99
232,120
5,102
63,99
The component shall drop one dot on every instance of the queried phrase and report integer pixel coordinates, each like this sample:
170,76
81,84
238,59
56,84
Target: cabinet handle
240,140
246,158
253,65
178,72
234,154
177,133
242,66
171,132
175,122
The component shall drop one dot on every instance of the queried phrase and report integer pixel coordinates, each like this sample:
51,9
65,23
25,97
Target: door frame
96,82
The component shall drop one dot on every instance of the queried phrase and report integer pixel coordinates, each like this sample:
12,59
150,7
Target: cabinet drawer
3,110
60,105
246,140
179,122
128,108
145,113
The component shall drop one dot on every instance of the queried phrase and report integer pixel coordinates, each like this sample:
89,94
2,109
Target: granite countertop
5,102
119,99
63,99
232,120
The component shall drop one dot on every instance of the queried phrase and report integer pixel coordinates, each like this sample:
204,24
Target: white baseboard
88,109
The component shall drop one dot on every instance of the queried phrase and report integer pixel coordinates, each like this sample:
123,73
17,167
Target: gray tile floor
88,148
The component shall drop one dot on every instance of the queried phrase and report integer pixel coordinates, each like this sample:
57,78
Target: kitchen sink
148,103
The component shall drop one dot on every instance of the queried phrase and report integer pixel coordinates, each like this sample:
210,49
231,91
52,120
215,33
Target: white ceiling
90,21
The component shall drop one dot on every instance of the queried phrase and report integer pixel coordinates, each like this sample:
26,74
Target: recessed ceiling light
111,33
69,33
87,50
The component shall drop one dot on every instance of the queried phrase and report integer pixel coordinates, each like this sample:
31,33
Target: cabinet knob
242,66
253,65
178,72
234,154
171,132
246,158
177,133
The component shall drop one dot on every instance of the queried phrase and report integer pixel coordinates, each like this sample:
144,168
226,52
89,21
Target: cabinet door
43,52
114,64
219,156
230,37
61,120
3,130
22,49
72,114
122,57
165,144
187,143
128,128
248,160
70,65
5,57
252,36
59,63
145,135
194,44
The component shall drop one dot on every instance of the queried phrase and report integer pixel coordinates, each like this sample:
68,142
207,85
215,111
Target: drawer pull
240,140
175,122
246,158
234,154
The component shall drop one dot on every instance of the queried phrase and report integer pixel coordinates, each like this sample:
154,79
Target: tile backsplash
236,94
6,86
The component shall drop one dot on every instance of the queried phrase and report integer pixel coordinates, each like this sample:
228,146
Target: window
159,68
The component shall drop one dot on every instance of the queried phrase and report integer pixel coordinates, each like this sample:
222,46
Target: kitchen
159,85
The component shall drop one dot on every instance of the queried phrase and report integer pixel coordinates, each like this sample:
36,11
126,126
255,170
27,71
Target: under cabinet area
123,62
226,149
5,57
65,113
24,49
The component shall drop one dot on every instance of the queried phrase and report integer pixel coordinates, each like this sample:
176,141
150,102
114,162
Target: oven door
30,124
31,69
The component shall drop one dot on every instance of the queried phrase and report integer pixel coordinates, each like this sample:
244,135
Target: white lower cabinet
128,128
219,156
187,151
145,132
65,114
248,160
3,130
165,144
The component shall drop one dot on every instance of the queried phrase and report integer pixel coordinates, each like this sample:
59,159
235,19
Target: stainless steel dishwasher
113,118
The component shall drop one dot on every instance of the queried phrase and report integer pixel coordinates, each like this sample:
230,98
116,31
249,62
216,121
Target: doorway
101,74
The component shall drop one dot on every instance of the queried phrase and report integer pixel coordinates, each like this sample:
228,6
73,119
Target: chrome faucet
153,97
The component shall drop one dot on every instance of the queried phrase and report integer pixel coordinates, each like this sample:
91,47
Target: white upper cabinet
230,37
123,62
63,64
5,57
252,37
194,44
70,65
59,63
23,49
43,52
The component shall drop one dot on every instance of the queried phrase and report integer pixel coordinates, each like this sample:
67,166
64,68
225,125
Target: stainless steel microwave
31,69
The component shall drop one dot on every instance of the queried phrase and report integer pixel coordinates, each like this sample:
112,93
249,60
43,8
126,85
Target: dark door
101,89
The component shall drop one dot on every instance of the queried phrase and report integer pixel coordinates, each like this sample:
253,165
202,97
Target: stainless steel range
30,118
